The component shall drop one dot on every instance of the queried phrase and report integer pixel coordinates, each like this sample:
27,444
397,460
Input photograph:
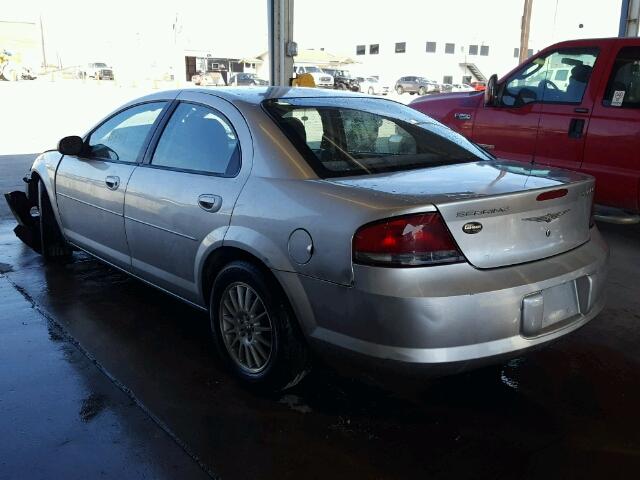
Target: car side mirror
490,92
72,145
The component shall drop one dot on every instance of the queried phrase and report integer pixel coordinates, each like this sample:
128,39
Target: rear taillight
408,241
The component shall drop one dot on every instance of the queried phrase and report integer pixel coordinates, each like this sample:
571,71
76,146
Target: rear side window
623,88
367,136
198,139
122,136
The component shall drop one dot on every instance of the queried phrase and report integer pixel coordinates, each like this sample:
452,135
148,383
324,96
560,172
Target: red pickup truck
575,105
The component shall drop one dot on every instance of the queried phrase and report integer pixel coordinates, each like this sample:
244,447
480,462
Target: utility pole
44,53
524,30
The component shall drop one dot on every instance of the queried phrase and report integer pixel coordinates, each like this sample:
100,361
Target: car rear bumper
451,315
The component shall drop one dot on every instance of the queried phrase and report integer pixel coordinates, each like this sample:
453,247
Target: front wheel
52,244
399,90
371,92
255,330
422,91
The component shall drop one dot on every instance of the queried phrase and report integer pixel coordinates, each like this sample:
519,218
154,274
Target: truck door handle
581,110
462,116
576,127
112,182
210,203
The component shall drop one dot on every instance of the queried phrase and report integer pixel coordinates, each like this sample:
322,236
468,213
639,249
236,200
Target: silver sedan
306,221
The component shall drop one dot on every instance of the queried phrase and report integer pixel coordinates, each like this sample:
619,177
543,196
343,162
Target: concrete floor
101,375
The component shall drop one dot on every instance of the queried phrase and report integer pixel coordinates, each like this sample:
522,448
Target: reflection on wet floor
567,411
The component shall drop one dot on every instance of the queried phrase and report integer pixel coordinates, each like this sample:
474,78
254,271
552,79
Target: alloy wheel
246,328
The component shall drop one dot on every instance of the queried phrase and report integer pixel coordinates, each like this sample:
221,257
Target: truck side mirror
72,145
490,93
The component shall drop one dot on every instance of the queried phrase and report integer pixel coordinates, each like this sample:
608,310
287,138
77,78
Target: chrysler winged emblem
547,218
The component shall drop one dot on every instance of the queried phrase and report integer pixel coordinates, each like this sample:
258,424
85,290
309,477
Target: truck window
559,77
623,88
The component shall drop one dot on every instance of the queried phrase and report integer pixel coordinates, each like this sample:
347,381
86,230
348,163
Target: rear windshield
360,136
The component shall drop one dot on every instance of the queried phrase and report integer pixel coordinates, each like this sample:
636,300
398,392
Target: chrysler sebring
306,221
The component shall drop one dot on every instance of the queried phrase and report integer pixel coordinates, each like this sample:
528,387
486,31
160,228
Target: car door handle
112,182
210,203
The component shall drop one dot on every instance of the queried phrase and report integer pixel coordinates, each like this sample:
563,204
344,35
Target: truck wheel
52,244
255,330
399,90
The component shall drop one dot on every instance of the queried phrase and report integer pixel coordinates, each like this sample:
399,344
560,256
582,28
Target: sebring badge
472,227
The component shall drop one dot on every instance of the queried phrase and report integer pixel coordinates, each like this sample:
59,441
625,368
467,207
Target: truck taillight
408,241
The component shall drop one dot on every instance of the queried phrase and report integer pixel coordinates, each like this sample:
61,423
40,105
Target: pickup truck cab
574,105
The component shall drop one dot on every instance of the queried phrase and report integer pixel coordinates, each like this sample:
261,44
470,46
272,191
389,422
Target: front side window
198,139
367,136
559,77
623,88
122,136
401,47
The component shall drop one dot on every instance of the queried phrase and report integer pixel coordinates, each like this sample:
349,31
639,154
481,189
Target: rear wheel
399,90
255,330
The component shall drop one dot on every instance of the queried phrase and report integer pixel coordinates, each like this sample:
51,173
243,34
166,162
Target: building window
484,50
431,47
361,49
401,47
374,49
447,79
449,48
530,52
516,52
473,49
466,79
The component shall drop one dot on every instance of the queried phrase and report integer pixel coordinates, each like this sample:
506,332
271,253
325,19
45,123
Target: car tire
53,246
412,93
399,90
257,335
422,91
371,91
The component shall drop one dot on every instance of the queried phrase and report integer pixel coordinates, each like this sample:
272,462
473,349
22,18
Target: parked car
343,80
308,221
97,71
246,79
419,85
462,87
208,79
372,86
322,79
587,120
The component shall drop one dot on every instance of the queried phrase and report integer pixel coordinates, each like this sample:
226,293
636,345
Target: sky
83,31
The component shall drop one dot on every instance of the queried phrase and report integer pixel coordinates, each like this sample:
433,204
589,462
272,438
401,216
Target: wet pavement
137,369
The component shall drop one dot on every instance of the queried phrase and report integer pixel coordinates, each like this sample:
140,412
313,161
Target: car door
566,105
90,188
179,201
509,128
613,136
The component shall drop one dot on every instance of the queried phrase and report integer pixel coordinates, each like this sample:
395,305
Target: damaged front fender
26,211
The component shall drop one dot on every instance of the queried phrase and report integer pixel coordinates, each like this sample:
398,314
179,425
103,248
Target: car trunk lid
499,213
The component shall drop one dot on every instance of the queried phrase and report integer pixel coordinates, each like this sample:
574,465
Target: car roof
256,95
